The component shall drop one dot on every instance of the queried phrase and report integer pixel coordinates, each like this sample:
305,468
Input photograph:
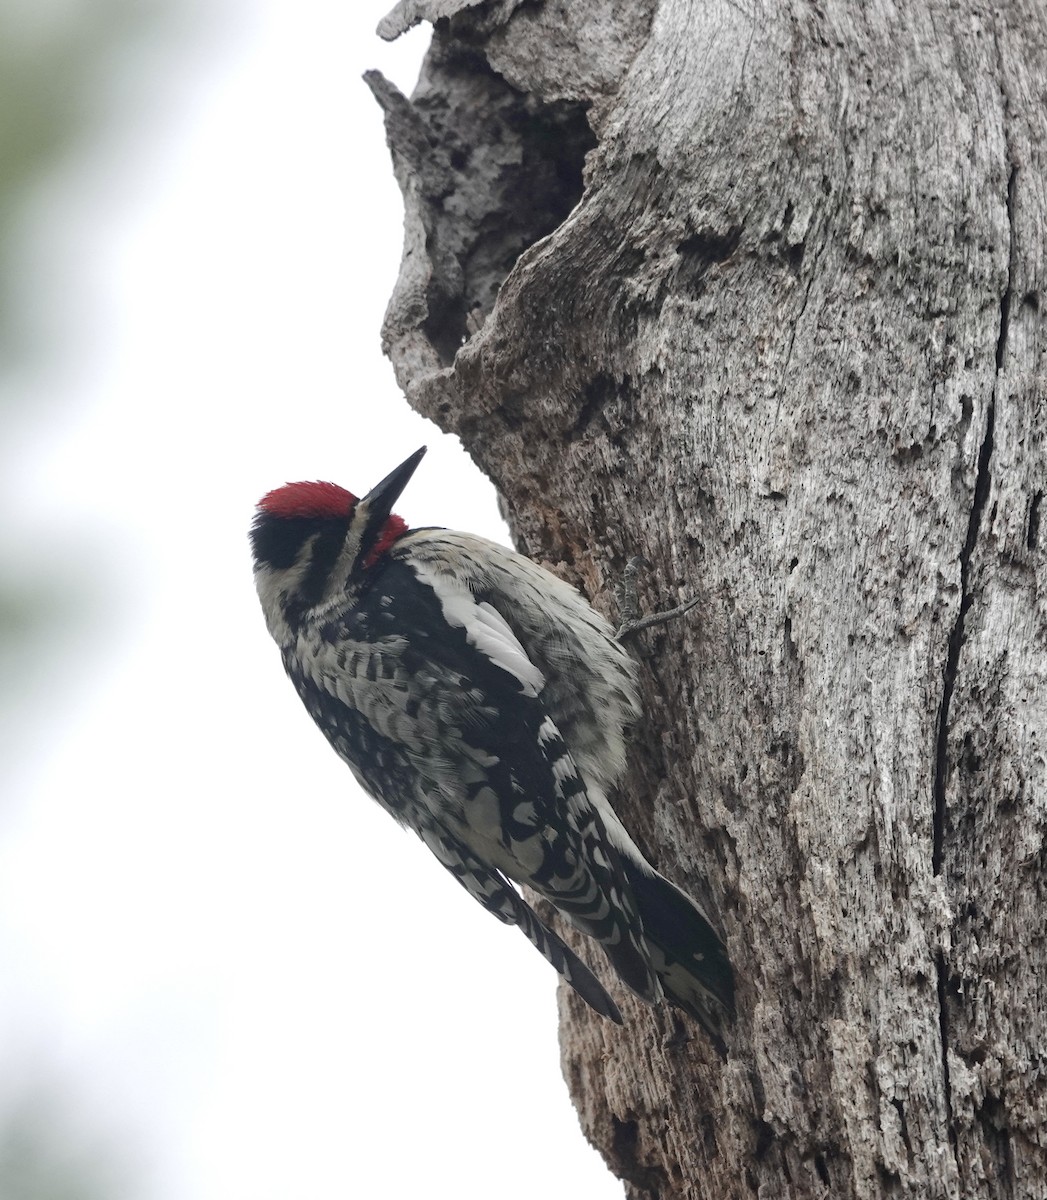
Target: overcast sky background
227,974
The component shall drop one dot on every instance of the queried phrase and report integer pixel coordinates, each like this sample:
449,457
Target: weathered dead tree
755,290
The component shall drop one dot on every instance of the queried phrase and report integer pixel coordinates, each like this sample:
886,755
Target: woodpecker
484,704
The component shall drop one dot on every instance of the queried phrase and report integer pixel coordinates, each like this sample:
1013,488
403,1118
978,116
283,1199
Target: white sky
246,981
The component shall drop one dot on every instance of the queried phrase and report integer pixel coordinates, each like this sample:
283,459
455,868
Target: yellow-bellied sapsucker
484,704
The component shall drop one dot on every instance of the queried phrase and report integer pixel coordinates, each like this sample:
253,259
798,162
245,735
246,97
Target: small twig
629,605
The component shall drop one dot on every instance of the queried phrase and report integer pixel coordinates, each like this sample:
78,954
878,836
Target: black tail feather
686,951
564,959
491,889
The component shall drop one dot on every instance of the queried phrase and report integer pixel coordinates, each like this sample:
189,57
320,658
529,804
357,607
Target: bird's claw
629,605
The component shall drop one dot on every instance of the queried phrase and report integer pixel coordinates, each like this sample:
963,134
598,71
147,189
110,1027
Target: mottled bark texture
756,290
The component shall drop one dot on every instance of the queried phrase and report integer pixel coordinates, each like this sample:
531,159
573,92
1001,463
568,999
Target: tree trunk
756,292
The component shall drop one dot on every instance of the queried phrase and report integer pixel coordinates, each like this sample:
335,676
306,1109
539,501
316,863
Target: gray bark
755,291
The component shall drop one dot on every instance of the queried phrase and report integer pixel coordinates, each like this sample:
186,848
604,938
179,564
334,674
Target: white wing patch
547,731
485,628
564,768
490,633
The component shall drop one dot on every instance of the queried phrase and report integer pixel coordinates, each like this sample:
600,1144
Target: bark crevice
983,479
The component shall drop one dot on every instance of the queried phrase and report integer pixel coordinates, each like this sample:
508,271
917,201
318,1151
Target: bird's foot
629,605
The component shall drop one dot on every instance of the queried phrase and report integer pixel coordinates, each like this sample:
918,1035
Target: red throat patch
391,530
315,500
